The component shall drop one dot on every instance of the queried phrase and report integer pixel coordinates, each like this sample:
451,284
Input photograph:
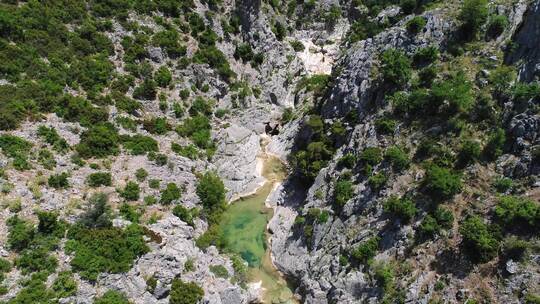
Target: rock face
356,87
527,38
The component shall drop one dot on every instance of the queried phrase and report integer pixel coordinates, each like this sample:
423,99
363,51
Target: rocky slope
401,122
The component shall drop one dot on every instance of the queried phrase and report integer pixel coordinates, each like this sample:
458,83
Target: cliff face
524,52
321,254
411,130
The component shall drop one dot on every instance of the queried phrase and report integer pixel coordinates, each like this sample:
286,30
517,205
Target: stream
243,228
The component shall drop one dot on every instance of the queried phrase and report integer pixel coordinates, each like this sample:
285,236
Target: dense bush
198,129
371,156
474,14
98,213
297,45
170,194
518,213
497,25
470,152
99,141
494,146
364,252
219,271
433,223
478,239
398,158
403,208
416,24
100,250
156,125
426,55
111,297
395,67
385,126
52,138
20,233
185,214
139,144
185,292
243,51
163,76
348,160
16,148
189,151
377,181
59,181
131,191
211,192
311,160
441,183
343,192
65,285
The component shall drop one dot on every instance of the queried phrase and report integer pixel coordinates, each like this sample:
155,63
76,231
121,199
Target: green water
243,228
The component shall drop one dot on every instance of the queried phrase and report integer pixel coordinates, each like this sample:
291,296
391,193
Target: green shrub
311,160
211,192
385,126
366,251
156,125
52,138
99,141
36,260
416,24
497,25
185,214
478,239
297,45
219,271
16,148
470,151
514,248
243,51
198,129
59,181
98,250
139,144
201,106
397,158
141,174
426,55
189,151
20,233
371,156
395,67
503,184
185,292
65,285
348,160
343,192
403,208
98,179
98,213
531,298
154,183
474,13
111,297
131,191
518,213
163,76
441,183
170,194
146,90
452,95
407,6
377,181
495,144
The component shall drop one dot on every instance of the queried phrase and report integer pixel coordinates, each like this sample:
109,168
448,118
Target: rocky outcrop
524,51
356,87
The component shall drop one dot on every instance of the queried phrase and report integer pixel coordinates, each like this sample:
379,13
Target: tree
211,192
99,141
395,67
170,194
185,292
98,214
112,297
478,239
441,183
474,14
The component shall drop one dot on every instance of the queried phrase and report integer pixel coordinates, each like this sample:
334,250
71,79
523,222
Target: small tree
441,183
131,191
395,67
474,14
185,292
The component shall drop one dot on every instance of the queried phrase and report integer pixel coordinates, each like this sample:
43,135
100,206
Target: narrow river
243,228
